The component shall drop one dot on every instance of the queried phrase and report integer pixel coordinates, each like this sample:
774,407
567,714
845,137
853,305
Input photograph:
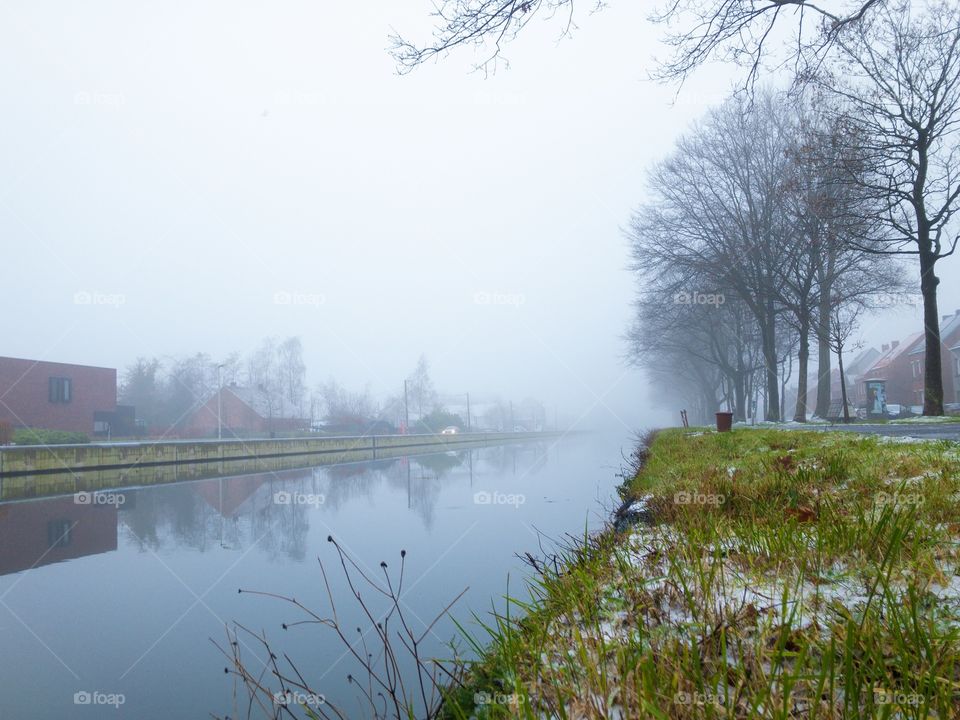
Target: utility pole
406,410
219,404
512,426
468,412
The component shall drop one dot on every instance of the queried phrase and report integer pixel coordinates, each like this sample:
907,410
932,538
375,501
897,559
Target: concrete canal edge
40,459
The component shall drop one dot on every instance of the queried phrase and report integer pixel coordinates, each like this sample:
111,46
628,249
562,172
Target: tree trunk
769,337
823,356
803,359
933,372
740,392
843,386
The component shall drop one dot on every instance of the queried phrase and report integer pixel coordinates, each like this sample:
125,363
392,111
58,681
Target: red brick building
949,340
894,366
55,396
854,369
244,412
955,371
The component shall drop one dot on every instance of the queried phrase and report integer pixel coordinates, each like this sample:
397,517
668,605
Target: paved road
929,431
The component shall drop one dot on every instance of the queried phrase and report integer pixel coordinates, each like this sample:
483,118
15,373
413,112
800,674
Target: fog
212,174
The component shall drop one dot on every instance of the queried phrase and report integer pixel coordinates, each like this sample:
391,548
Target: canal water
114,604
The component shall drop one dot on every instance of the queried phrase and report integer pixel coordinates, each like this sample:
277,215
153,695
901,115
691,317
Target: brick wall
25,400
238,417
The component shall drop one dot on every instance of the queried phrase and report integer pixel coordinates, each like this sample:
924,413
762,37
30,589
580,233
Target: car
450,430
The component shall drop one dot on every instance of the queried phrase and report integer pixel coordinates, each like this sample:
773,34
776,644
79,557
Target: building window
60,389
58,533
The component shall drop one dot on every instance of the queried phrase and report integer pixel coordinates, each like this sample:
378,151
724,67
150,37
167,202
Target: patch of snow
900,439
640,506
923,419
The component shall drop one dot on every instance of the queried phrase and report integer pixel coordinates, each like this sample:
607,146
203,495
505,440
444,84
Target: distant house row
241,412
894,375
82,398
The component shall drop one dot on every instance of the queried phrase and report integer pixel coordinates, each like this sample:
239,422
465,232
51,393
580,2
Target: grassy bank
769,574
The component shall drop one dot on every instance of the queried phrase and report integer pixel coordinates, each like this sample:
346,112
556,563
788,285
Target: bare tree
478,24
740,31
827,263
719,214
189,381
898,81
262,376
340,404
697,31
291,374
141,386
422,393
843,324
703,354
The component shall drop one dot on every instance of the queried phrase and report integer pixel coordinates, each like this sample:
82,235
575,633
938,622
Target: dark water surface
120,597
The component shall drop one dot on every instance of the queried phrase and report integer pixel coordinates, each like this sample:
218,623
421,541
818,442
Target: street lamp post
219,404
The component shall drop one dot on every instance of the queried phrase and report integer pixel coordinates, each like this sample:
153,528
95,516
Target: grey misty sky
199,158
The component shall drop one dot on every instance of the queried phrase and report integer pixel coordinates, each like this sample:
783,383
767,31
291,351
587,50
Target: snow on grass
828,576
925,419
902,439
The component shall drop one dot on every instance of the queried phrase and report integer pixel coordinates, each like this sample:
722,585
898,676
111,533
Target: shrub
437,420
38,436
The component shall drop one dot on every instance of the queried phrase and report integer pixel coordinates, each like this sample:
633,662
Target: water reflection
40,533
233,512
124,596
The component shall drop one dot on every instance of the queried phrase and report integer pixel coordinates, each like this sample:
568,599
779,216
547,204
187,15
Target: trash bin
724,421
